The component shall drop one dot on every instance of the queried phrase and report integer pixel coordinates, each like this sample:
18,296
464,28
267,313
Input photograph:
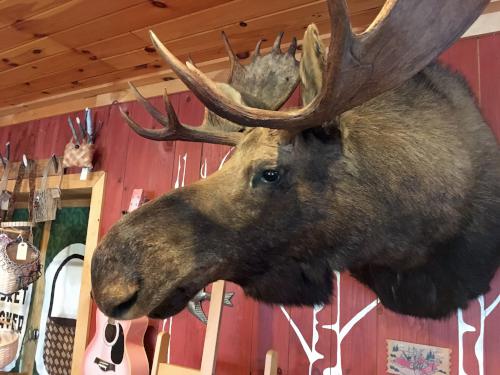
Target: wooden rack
208,361
74,193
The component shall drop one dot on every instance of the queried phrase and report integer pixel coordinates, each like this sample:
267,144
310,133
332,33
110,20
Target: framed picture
405,358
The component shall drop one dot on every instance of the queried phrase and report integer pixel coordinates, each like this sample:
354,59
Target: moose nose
117,298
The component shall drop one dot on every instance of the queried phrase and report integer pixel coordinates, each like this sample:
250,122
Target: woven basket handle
56,165
5,177
54,280
17,187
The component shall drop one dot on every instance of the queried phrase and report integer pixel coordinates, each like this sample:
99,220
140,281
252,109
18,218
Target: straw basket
9,340
17,274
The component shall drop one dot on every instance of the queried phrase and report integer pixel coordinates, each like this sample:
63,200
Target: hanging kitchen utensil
19,259
15,228
19,264
60,331
47,200
5,196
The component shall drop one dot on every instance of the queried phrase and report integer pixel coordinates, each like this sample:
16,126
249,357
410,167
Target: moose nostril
117,294
122,307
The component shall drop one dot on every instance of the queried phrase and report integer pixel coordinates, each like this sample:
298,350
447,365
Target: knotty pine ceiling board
53,48
24,74
29,52
95,68
114,46
69,14
237,12
12,11
151,62
132,18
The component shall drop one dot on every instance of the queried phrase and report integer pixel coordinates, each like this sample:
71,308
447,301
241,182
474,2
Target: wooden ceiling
49,48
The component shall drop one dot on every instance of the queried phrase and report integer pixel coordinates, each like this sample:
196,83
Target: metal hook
55,160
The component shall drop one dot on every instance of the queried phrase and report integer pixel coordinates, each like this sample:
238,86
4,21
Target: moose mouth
173,304
135,308
127,302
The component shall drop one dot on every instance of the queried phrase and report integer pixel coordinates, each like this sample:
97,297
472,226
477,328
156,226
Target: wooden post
162,343
208,360
85,303
271,366
29,350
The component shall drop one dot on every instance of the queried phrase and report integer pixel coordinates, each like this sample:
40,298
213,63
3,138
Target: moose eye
270,176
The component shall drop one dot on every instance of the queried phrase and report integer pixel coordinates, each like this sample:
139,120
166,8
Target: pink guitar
117,347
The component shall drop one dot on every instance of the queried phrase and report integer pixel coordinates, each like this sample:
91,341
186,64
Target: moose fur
402,191
431,193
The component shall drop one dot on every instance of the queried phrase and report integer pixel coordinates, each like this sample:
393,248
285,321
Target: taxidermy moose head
388,171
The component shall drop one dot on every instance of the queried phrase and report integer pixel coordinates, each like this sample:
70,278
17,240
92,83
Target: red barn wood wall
307,340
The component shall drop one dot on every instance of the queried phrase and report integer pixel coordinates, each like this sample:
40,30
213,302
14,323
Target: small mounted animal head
343,183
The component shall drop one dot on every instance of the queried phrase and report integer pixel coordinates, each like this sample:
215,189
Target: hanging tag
4,201
84,174
56,193
4,205
22,251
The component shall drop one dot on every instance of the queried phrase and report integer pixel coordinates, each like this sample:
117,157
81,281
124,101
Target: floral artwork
405,358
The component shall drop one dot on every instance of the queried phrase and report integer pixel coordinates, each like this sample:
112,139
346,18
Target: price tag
22,251
56,193
4,202
84,174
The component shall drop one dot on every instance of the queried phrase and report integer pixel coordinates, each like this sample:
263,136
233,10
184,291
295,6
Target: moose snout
117,301
117,298
116,293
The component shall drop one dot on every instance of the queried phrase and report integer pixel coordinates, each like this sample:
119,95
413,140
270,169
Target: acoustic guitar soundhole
118,349
110,333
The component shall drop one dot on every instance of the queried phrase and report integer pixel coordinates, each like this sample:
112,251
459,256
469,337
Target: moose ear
312,64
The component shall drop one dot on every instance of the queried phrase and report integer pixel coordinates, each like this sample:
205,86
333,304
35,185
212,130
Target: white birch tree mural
311,352
464,327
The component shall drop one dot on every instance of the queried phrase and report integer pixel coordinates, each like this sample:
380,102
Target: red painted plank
4,137
112,143
18,142
463,57
358,308
187,333
301,339
489,65
492,329
148,164
270,330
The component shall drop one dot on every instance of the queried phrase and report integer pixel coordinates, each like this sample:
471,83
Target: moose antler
173,129
269,80
405,37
